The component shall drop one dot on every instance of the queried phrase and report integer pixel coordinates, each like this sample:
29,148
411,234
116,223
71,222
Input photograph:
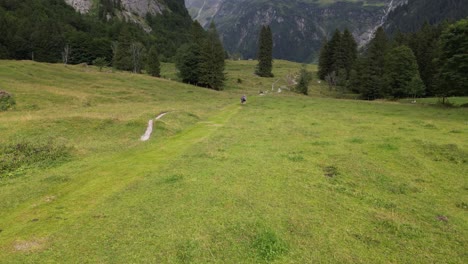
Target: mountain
411,16
299,26
130,10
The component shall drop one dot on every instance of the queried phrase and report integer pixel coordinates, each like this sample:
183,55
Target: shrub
7,101
28,154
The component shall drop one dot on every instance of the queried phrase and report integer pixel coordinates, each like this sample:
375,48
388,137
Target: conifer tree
372,82
350,51
153,64
188,58
212,61
337,52
265,53
325,61
454,61
123,55
400,69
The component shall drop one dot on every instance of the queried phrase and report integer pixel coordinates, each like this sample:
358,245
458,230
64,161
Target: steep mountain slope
130,10
411,16
299,26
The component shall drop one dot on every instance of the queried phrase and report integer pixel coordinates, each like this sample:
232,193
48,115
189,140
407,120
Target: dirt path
149,129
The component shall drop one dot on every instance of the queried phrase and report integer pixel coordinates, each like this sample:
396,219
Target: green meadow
285,178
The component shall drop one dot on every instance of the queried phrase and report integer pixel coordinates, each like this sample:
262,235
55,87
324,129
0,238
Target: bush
7,101
28,154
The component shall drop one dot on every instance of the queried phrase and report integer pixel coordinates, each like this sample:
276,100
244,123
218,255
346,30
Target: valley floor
284,178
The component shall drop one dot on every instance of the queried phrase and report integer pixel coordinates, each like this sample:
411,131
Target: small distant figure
243,99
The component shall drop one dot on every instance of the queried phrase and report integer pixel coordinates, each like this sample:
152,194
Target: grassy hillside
284,178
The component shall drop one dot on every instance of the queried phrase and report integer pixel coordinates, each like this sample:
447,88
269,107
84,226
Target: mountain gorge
299,26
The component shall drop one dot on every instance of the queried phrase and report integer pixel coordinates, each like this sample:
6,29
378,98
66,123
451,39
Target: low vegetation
284,178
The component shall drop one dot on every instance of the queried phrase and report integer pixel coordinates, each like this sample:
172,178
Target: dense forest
432,61
46,30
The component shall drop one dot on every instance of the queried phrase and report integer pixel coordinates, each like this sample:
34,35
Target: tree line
42,29
52,31
430,62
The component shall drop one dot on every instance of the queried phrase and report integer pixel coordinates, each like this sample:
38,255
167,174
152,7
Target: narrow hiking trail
90,185
149,129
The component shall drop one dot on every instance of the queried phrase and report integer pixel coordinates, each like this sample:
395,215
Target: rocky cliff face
138,7
130,10
299,26
82,6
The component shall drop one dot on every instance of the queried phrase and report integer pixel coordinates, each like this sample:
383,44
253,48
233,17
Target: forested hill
43,29
411,16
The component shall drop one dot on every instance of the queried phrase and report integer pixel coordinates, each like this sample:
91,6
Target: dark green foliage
153,64
123,54
100,62
40,29
28,154
349,47
325,61
188,61
369,72
338,56
337,52
265,53
202,61
426,46
453,61
212,61
7,101
304,79
400,69
107,8
416,87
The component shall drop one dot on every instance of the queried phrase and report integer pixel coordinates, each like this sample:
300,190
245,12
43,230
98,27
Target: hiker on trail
243,99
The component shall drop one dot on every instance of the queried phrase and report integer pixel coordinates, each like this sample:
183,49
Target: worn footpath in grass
284,178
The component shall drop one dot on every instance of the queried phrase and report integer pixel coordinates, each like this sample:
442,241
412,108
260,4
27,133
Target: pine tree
188,58
350,51
265,53
153,64
454,60
372,82
123,54
325,60
400,69
337,52
188,61
212,61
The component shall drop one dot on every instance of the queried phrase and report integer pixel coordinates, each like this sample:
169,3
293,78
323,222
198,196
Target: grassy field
283,179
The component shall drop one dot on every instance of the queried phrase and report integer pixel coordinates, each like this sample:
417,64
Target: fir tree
188,58
265,53
212,61
349,47
123,54
400,69
372,82
454,61
325,61
188,61
337,52
153,64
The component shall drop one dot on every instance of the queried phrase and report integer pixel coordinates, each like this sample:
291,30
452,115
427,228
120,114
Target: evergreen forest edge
424,63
